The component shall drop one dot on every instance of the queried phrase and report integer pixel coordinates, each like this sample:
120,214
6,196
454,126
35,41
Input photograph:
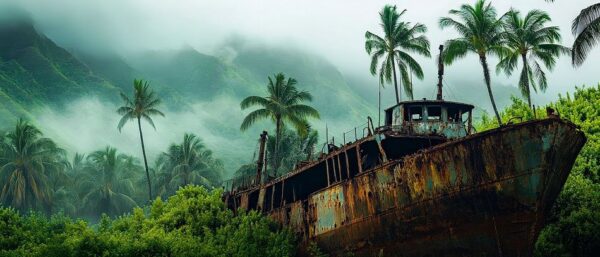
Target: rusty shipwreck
424,184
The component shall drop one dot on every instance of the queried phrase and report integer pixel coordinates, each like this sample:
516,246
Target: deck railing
359,132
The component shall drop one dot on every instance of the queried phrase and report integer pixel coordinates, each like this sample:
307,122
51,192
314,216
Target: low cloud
89,124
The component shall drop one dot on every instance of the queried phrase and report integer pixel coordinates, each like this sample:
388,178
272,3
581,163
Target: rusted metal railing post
470,122
327,171
359,158
440,73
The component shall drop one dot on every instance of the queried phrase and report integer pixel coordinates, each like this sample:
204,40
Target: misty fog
332,29
89,124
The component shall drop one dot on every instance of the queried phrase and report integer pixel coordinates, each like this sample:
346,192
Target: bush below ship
193,222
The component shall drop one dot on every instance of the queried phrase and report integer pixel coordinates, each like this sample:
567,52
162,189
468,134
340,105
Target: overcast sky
333,29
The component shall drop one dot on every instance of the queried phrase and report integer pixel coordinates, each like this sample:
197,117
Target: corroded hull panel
483,195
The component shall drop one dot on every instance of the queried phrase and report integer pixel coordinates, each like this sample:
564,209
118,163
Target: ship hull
487,194
483,195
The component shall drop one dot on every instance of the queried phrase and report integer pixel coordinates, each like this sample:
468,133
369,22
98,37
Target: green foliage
516,112
35,72
582,109
193,222
36,175
187,163
108,183
283,105
26,161
575,223
400,38
293,149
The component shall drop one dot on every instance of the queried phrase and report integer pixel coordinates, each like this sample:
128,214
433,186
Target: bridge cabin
436,118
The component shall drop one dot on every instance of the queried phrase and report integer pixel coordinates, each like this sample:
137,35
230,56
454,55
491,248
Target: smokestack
440,72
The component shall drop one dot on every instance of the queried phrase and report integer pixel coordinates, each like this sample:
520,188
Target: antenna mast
440,73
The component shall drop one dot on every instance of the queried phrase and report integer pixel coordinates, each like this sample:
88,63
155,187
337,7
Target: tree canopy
193,222
400,39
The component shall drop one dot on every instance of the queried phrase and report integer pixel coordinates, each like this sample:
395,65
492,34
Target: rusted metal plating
485,194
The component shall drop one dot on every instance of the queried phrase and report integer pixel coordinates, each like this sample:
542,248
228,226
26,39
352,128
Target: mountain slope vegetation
34,72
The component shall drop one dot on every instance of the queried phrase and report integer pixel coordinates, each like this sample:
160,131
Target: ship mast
440,73
260,163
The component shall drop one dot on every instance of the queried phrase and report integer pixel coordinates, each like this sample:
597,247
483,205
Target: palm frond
585,18
456,49
406,82
411,63
148,119
303,111
585,41
253,117
127,117
254,101
541,77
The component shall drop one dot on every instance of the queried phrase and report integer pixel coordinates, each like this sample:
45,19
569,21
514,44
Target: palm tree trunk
486,75
526,82
276,148
412,94
145,160
379,107
395,80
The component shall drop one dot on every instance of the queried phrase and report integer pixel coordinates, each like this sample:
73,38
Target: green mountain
35,72
194,76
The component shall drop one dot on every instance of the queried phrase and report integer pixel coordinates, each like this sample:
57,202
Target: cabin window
416,113
454,114
434,113
465,116
397,116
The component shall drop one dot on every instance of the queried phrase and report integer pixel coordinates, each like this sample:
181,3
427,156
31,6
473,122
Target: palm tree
309,142
293,149
282,105
188,163
26,159
67,194
529,40
586,28
109,186
143,105
400,38
480,33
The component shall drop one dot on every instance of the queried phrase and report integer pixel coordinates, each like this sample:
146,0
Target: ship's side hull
484,195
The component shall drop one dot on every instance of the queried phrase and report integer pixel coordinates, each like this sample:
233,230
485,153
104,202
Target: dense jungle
107,151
